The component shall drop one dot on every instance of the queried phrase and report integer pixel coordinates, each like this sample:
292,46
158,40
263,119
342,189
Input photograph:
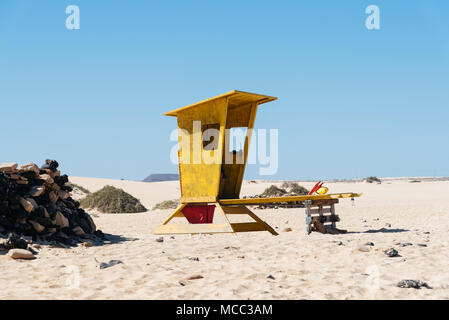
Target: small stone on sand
111,263
391,252
195,277
421,245
406,244
21,254
416,284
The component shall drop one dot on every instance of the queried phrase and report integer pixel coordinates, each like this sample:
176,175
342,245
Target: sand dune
301,266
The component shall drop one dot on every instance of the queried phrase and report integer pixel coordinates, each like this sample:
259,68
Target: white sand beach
255,265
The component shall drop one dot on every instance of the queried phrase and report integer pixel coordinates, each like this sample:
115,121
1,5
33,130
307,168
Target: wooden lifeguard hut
211,174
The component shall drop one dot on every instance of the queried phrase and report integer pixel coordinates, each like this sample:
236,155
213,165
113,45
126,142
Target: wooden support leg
334,218
261,222
222,212
258,225
177,213
308,216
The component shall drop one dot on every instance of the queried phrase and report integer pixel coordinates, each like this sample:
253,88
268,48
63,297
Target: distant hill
162,177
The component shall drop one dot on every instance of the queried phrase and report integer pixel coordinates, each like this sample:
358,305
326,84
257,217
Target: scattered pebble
369,243
21,254
416,284
388,225
391,252
338,243
271,277
287,230
195,277
161,239
421,245
111,263
406,244
194,259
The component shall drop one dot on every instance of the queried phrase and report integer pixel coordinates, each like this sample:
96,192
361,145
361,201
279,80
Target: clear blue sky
352,102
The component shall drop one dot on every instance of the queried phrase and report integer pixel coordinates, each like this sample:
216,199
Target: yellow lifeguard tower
211,175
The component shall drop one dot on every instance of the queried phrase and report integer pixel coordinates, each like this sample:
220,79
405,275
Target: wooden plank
327,219
193,228
242,97
324,202
261,222
248,227
179,215
320,211
255,201
334,225
309,222
189,200
244,210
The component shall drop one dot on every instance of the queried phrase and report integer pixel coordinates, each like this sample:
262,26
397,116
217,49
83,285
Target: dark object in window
210,138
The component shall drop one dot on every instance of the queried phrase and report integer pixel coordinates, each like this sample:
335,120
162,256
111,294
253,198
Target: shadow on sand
114,239
98,239
381,230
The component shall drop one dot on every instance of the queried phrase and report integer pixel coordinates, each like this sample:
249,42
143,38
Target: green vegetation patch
273,191
294,188
168,204
298,190
372,179
112,200
80,188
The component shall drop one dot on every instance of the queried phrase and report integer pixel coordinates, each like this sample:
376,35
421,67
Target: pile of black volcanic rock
35,202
